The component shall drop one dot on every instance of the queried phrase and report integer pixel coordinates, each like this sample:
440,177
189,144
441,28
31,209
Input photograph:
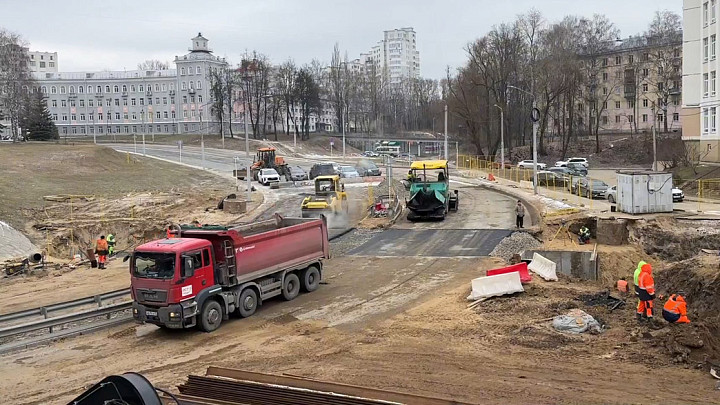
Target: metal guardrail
45,310
50,323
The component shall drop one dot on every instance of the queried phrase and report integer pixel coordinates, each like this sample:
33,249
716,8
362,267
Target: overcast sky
96,35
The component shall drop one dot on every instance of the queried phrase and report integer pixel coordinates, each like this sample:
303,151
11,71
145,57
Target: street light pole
654,164
342,119
202,141
535,121
502,137
446,142
247,151
142,114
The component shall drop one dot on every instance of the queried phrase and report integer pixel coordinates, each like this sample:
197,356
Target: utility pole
502,137
248,197
446,141
342,119
202,141
142,113
654,164
535,118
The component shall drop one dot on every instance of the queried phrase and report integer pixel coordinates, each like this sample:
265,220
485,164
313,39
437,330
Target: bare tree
16,80
307,93
153,64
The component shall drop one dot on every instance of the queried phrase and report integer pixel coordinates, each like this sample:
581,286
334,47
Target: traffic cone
491,177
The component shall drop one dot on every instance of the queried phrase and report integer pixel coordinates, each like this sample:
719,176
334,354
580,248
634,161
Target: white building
700,70
394,58
43,62
136,101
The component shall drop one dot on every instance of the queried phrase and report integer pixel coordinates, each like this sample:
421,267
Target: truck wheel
310,279
291,287
211,316
247,303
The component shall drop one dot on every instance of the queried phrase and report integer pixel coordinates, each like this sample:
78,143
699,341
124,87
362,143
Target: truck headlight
174,314
135,311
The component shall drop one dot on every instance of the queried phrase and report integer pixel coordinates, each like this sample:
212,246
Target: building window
164,100
157,100
164,87
157,114
108,102
63,103
617,119
618,60
116,88
199,85
149,100
712,11
82,117
705,49
134,116
91,116
117,102
676,117
183,86
82,103
55,117
54,103
705,13
117,116
712,46
100,116
645,87
185,114
198,70
645,102
62,89
200,98
173,114
644,118
132,87
107,89
42,64
645,72
604,119
64,117
90,89
182,71
132,101
53,90
73,117
125,116
172,100
605,76
712,82
705,85
141,88
184,99
124,88
631,58
142,101
631,118
91,103
712,119
617,104
124,101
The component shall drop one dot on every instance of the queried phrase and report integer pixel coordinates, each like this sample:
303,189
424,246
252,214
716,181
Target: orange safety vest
676,305
102,244
646,283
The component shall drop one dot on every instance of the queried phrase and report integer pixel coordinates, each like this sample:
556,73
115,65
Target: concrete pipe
35,258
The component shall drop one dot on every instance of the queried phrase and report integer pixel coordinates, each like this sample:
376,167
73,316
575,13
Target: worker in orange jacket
675,309
102,250
646,292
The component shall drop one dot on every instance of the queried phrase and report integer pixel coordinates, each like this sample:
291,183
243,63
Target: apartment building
637,76
395,58
135,101
700,70
43,62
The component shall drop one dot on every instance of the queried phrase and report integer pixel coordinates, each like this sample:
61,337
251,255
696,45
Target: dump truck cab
330,198
430,196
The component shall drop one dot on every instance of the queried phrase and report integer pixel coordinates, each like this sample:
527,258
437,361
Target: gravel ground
515,243
344,244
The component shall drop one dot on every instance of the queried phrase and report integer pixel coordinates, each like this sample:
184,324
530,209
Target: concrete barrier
582,265
491,286
543,267
521,268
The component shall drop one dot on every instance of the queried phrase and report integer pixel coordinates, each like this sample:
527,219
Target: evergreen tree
36,122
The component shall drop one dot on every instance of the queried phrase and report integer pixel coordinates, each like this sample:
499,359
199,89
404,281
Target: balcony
72,95
124,93
172,92
191,91
148,93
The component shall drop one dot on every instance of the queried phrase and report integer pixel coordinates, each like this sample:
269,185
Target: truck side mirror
187,270
126,258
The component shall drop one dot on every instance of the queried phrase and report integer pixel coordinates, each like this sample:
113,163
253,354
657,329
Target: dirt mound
699,278
674,240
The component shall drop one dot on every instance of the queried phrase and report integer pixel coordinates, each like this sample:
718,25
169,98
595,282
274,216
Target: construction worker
101,249
675,309
646,293
636,274
168,232
584,235
111,244
519,214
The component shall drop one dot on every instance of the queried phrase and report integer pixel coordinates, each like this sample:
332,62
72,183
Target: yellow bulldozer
330,198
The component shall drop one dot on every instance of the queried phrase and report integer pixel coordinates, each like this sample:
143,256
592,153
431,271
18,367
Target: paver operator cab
430,196
203,274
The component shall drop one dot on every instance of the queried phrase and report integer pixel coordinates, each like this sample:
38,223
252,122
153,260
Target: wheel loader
330,198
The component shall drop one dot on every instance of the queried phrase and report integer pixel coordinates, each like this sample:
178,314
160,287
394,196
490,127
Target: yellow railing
708,195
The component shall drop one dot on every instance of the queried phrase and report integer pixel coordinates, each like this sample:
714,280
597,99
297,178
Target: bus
391,148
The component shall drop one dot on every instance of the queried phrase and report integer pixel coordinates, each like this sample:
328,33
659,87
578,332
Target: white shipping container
644,192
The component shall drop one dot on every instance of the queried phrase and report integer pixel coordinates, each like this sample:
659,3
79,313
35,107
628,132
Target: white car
528,164
564,163
267,176
678,195
611,194
348,172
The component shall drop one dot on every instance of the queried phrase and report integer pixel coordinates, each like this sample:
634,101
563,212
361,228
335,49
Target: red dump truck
202,275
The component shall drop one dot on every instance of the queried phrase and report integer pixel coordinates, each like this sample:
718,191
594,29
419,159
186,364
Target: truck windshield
154,265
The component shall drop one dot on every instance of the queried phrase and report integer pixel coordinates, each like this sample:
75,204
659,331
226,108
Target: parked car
348,172
611,194
552,179
369,153
577,169
678,195
564,163
591,188
560,170
528,164
296,174
336,166
267,176
368,168
498,165
322,169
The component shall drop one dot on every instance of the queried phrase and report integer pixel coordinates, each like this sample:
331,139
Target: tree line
563,66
